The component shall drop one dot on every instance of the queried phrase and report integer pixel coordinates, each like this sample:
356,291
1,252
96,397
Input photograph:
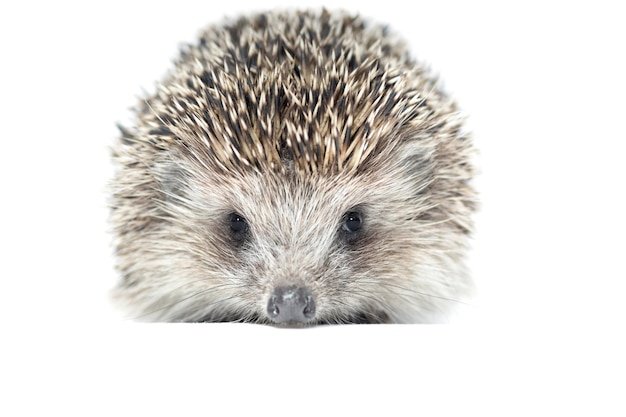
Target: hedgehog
294,168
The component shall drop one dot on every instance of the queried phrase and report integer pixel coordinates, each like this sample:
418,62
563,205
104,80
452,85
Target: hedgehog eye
352,222
238,225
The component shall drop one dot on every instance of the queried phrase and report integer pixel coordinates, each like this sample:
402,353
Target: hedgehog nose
291,305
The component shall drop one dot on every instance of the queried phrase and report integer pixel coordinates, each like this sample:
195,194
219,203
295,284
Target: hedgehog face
296,248
294,168
300,249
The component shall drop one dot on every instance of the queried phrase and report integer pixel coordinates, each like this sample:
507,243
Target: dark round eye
352,222
238,224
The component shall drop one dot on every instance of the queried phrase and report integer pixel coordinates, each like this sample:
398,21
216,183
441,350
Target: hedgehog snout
292,304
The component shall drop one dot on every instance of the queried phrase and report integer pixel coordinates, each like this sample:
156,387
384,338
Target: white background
543,84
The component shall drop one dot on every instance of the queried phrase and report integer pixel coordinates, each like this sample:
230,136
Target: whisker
196,294
410,290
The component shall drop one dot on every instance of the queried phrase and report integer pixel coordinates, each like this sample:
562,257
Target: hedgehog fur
294,156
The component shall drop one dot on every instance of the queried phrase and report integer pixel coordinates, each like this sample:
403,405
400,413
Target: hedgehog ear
172,180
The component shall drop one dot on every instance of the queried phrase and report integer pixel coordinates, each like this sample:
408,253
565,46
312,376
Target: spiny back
313,92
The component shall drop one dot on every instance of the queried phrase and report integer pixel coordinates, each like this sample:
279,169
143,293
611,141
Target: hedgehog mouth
365,317
361,317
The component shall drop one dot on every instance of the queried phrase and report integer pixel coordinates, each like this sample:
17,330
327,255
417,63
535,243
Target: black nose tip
291,305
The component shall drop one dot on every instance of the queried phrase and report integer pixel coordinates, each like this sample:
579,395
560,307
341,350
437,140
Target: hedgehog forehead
290,205
264,99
